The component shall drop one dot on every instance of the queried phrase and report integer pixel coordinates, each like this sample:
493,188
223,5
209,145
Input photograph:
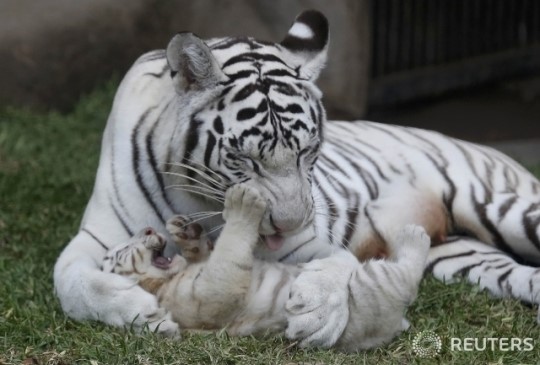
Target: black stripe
287,255
480,209
115,185
191,141
347,146
531,225
152,158
464,271
352,215
122,221
331,208
279,73
210,144
246,113
232,41
159,74
136,165
449,198
429,268
250,57
505,207
95,238
218,125
504,276
243,74
244,93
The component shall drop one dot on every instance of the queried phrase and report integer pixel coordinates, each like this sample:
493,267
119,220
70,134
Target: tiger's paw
245,205
318,306
190,237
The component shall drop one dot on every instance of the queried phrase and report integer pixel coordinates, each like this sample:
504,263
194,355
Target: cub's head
142,259
250,112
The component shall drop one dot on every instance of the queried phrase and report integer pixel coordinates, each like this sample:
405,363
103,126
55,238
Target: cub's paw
190,238
243,203
161,322
414,235
318,307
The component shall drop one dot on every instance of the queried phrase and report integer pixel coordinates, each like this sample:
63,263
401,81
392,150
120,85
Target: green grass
47,167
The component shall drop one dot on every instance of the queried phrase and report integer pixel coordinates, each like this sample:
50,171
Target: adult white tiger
203,116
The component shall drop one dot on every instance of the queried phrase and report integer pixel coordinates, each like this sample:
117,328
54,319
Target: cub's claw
190,237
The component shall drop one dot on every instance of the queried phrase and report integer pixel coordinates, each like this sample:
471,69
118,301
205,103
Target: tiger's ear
308,38
193,67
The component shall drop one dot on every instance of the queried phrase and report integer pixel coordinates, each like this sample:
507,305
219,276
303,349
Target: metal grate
412,35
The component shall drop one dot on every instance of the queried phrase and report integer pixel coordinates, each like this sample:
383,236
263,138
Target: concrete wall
51,51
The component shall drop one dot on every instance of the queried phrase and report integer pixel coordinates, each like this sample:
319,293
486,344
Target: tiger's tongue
274,241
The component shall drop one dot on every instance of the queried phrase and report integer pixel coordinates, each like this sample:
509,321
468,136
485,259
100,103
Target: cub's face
260,120
142,259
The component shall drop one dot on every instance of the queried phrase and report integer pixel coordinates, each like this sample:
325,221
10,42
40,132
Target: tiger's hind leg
190,237
387,216
486,266
514,222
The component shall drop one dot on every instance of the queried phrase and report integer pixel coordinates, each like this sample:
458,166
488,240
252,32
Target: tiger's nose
285,225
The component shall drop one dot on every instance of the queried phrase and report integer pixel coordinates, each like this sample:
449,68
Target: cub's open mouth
159,260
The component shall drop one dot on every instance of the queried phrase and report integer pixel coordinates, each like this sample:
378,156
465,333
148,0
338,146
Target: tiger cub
224,286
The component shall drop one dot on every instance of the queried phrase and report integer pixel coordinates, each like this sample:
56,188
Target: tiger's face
257,118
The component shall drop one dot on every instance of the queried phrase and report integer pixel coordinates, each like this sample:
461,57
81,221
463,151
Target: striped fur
228,288
189,122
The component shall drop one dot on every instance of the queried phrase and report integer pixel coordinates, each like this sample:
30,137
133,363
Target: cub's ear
308,38
193,67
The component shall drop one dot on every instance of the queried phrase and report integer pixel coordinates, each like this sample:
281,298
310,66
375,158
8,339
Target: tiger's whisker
202,188
200,184
217,228
220,200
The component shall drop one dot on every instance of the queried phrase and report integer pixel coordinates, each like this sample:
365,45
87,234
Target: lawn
47,167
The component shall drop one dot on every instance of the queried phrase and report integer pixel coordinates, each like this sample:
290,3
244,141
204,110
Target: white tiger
189,122
230,289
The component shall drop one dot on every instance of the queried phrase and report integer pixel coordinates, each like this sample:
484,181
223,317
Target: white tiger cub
229,288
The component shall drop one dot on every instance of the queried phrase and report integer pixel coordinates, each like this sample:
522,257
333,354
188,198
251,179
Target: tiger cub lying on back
228,288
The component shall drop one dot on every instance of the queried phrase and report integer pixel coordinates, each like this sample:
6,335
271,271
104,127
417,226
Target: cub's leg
225,279
381,290
486,266
318,310
190,237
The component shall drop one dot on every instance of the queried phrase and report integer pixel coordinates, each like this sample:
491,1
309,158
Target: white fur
301,30
388,157
232,290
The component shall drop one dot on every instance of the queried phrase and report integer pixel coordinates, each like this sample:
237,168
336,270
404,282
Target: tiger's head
251,113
